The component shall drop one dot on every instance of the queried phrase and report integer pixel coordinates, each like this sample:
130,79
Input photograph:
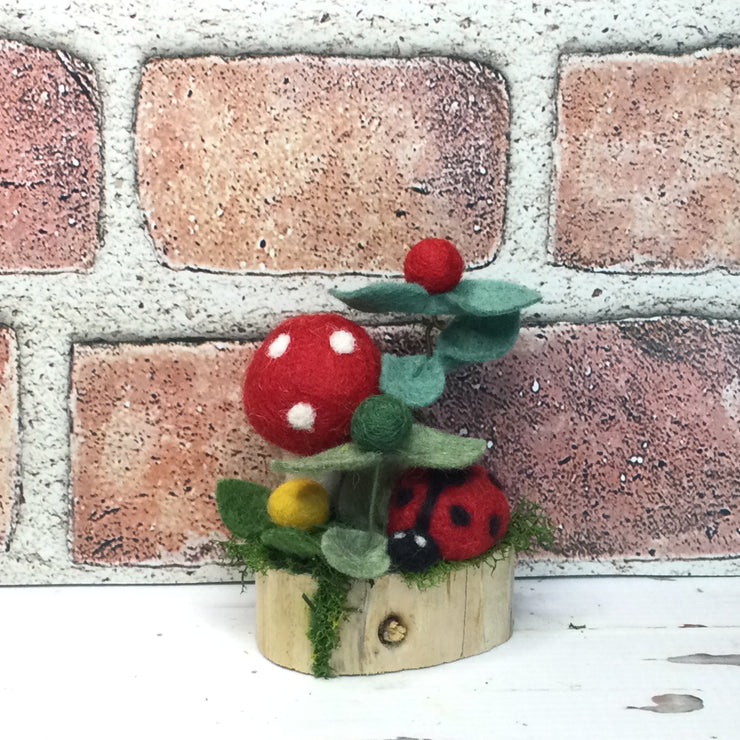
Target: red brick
310,163
628,433
154,427
49,160
648,162
8,434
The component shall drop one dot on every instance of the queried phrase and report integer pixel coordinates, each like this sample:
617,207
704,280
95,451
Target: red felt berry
307,378
435,264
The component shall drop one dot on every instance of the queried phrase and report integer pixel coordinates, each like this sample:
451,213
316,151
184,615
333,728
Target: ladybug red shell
444,514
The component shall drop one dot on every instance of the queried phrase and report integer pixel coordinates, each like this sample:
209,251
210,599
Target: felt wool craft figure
409,499
435,264
300,503
306,379
447,514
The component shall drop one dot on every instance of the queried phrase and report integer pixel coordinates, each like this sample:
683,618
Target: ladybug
444,514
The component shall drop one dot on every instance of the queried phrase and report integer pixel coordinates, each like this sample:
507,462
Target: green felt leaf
292,541
355,553
430,448
489,297
346,456
472,339
242,506
417,380
392,298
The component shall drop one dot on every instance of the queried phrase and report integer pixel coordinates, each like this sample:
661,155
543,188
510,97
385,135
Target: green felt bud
381,423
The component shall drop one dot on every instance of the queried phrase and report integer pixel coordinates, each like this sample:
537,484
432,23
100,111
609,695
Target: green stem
373,498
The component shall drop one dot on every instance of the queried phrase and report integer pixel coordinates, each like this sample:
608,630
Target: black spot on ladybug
403,497
494,524
455,477
459,516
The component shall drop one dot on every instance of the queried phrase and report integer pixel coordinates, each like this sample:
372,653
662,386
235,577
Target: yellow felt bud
300,502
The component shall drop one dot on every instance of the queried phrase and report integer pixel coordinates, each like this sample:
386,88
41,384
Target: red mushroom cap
435,264
306,379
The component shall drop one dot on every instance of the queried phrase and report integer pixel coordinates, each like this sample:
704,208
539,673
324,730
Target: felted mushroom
306,379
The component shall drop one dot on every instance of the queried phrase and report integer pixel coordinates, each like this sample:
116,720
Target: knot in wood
392,631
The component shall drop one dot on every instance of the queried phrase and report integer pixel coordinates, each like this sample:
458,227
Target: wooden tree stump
390,626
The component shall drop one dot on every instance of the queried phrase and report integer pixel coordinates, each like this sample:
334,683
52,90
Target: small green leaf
292,541
417,380
472,339
489,297
430,448
242,506
392,298
346,456
355,553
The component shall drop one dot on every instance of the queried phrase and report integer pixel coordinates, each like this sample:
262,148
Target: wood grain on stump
390,626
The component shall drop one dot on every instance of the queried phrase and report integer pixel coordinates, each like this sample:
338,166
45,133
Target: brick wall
172,185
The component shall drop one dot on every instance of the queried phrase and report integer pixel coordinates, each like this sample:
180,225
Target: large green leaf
467,298
292,541
417,380
392,298
347,456
430,448
355,553
424,448
242,506
489,298
471,339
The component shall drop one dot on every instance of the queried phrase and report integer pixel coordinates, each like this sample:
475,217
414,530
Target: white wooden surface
182,661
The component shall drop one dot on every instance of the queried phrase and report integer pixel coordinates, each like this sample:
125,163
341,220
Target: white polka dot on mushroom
301,416
342,342
278,346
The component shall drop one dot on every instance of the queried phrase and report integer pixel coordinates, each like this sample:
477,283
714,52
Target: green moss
529,528
328,611
327,604
255,557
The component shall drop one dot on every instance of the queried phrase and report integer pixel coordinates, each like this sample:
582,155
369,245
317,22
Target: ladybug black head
412,550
